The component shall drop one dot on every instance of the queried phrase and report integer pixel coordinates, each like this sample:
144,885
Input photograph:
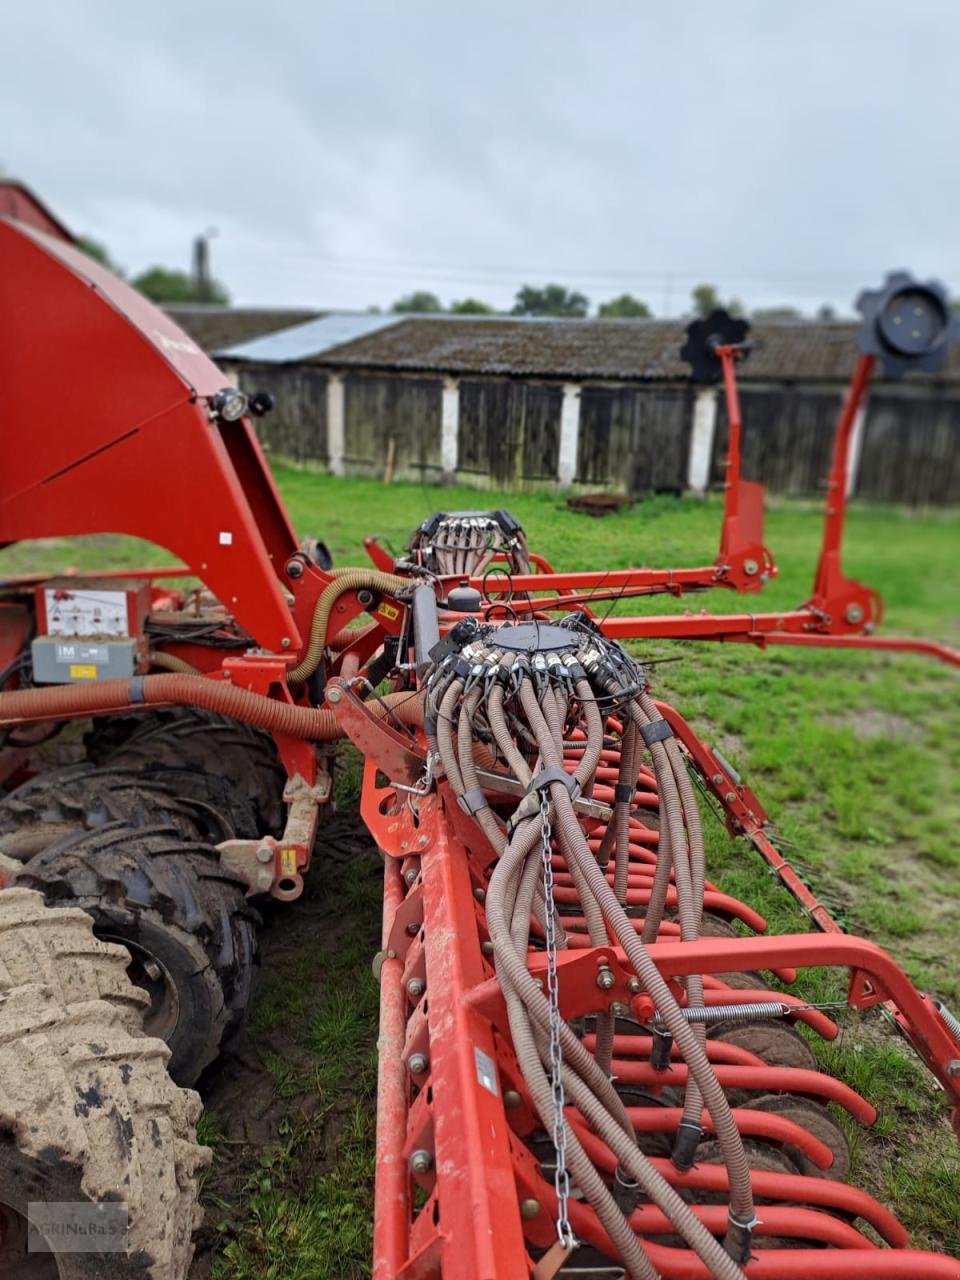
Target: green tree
550,300
99,252
626,307
419,300
163,284
472,307
706,298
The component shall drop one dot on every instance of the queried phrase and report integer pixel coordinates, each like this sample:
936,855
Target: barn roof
305,341
212,327
630,350
533,347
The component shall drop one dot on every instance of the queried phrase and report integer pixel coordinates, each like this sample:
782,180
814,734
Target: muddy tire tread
71,1030
241,758
83,798
132,878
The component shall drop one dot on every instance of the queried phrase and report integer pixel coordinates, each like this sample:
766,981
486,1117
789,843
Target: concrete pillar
701,439
335,419
450,426
569,434
855,449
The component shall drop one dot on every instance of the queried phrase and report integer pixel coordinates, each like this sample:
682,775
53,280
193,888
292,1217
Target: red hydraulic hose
221,697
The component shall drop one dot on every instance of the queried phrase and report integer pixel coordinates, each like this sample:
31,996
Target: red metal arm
116,437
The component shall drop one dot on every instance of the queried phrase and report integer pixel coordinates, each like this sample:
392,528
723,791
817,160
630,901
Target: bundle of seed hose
467,542
522,695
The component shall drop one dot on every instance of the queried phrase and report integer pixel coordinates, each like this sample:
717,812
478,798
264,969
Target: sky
348,153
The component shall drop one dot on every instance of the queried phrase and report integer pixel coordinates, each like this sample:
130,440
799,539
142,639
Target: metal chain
561,1178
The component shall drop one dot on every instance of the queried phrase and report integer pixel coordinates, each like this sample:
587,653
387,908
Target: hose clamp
472,801
657,731
554,773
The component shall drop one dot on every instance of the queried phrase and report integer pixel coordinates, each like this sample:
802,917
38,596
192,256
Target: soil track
279,1112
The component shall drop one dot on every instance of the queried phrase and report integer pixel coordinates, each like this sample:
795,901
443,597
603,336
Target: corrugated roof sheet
310,339
629,350
212,327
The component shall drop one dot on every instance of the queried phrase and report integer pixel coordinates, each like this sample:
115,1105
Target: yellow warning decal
288,862
388,611
82,671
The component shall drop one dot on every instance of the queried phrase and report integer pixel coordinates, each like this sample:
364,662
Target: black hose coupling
661,1046
738,1241
684,1154
626,1191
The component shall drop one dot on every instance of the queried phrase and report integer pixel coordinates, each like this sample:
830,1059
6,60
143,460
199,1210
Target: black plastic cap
464,599
907,325
262,403
719,329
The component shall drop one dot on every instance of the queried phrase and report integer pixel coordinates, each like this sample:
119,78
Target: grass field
856,756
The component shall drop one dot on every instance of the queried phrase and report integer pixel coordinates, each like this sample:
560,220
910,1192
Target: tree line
557,300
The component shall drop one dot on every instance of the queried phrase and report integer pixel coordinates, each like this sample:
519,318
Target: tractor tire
88,1113
236,766
82,798
183,919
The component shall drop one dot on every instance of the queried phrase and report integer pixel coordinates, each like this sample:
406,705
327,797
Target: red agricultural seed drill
590,1062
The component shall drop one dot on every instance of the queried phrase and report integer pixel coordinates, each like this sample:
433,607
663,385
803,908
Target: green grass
855,756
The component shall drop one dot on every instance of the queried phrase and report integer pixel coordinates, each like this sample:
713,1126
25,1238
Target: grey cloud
348,152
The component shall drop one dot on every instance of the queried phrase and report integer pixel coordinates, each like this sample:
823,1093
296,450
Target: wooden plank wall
787,436
379,408
633,437
509,430
911,448
297,427
636,438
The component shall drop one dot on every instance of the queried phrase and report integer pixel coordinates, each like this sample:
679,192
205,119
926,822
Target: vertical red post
728,358
829,568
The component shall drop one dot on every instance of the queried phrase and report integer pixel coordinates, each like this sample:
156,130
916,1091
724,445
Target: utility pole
201,265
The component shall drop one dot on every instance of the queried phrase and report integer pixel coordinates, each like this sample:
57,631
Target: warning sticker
486,1071
82,671
388,611
85,612
288,862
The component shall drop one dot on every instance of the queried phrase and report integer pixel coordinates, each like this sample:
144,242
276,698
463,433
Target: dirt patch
274,1120
870,723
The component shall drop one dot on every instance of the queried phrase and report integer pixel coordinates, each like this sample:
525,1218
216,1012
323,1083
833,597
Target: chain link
561,1178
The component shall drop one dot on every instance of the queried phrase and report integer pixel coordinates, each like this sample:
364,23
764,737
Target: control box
90,629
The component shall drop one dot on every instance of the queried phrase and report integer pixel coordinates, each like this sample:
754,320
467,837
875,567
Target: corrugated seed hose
195,691
170,662
530,705
344,580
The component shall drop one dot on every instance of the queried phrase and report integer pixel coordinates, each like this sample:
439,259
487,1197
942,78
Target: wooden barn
597,404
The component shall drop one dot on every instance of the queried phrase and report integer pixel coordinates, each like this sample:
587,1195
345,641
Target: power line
650,275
